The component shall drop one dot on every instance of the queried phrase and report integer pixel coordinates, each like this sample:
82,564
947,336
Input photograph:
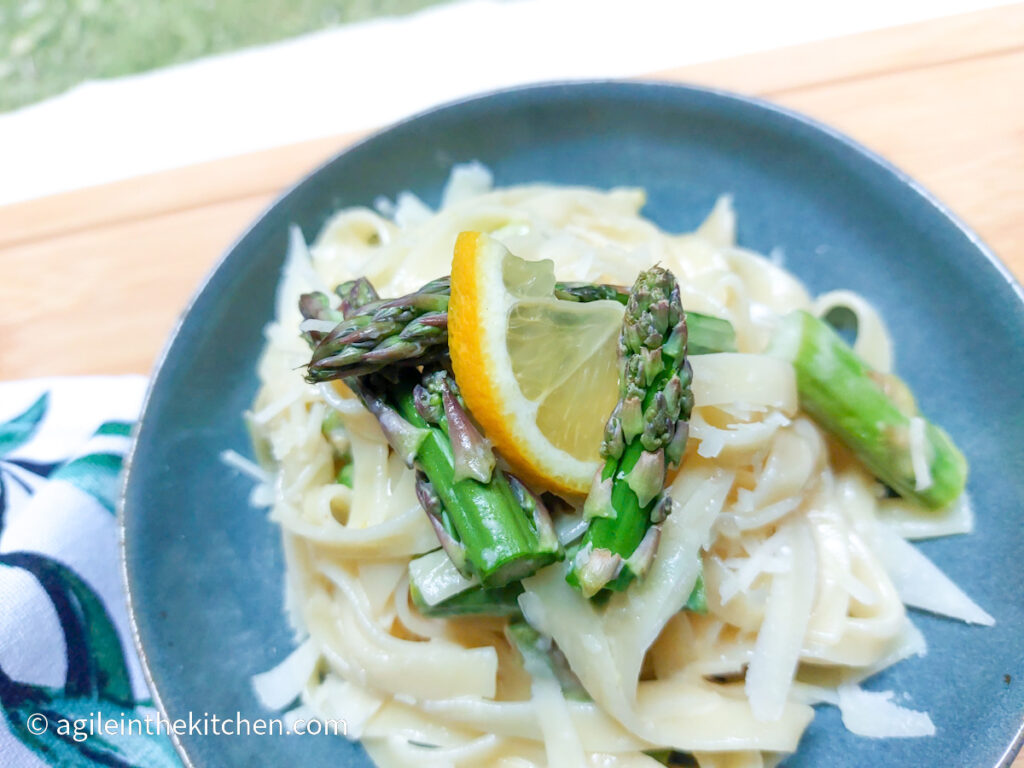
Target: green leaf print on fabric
18,431
121,428
98,474
97,684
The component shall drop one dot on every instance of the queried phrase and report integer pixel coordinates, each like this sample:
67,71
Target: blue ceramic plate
204,570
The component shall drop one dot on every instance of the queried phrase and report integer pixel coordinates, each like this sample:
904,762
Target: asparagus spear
487,521
645,435
413,329
410,330
872,414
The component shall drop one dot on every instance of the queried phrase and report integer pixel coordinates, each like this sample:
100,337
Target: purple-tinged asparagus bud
437,320
614,443
428,405
403,437
431,504
662,508
658,423
659,312
675,345
631,416
471,451
653,364
632,377
630,337
355,294
677,445
532,503
599,499
643,556
595,568
647,477
419,303
673,392
317,306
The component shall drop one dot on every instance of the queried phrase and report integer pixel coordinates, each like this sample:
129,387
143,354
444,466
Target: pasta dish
558,488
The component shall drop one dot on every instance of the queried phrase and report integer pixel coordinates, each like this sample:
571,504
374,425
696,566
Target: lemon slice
539,374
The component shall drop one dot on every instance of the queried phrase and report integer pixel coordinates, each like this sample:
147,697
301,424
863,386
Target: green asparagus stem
672,758
872,414
413,329
542,658
709,334
475,601
645,435
344,476
333,430
488,522
438,589
697,602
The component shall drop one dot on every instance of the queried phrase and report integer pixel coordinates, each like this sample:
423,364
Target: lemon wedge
539,374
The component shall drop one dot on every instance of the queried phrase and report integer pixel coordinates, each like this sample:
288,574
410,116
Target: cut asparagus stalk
476,601
541,657
345,475
645,435
672,758
707,334
488,522
439,590
697,602
413,330
872,414
436,578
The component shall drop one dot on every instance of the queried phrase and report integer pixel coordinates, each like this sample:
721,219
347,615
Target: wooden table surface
93,280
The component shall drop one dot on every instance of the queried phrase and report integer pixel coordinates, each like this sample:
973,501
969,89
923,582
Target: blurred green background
47,46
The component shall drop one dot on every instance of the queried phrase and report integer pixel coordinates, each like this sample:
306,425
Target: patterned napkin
66,651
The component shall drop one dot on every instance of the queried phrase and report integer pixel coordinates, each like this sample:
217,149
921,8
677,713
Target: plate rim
646,84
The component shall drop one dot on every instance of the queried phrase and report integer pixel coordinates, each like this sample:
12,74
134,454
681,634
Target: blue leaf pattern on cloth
14,434
98,474
19,430
98,681
122,428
